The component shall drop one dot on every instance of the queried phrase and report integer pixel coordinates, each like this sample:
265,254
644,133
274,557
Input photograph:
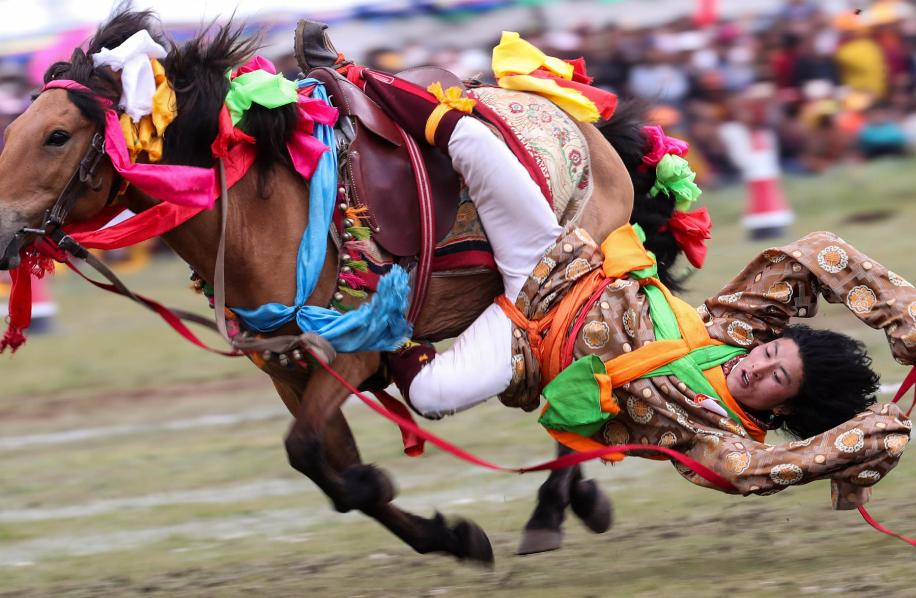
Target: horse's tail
624,132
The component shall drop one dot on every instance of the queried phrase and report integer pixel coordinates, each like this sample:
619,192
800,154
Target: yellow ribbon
514,59
449,99
146,135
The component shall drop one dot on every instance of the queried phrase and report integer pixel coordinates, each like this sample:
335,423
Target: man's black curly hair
837,381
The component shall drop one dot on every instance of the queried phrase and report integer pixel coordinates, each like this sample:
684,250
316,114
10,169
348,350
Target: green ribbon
259,87
673,176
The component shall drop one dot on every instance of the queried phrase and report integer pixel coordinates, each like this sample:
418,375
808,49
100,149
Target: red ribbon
690,231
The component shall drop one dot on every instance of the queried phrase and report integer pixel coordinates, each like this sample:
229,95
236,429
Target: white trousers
520,226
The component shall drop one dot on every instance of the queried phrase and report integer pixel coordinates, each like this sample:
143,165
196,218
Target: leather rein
85,177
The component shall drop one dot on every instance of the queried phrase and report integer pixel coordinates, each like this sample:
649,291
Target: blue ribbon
379,325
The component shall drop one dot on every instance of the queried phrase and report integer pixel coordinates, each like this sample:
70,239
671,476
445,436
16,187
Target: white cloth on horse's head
138,83
475,368
519,223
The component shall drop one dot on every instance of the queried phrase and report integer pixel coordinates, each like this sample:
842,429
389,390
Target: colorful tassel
13,339
354,280
360,233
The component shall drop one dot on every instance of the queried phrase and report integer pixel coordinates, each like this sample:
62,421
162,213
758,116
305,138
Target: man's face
770,375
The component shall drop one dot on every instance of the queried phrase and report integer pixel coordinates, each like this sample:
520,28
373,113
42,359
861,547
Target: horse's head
43,153
45,160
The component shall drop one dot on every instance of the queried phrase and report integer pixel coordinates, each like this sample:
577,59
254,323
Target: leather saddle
378,164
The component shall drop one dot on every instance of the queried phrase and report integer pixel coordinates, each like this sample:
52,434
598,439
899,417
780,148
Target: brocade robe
754,308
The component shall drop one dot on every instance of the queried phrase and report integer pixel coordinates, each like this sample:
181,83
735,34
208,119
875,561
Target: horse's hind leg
563,488
321,445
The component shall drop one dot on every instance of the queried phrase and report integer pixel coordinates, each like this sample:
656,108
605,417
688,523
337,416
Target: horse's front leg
321,445
564,488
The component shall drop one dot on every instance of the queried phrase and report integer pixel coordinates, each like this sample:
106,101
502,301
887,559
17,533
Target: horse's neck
262,241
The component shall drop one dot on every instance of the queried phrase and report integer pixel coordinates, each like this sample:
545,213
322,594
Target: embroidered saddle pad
551,142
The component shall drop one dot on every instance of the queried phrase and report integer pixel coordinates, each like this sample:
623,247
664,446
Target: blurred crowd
831,82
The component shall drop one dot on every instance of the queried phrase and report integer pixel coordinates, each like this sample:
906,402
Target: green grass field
135,464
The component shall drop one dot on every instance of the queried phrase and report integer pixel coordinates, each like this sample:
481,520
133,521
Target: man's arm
785,282
854,456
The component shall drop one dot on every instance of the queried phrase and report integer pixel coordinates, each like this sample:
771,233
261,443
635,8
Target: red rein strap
407,425
165,313
413,436
908,382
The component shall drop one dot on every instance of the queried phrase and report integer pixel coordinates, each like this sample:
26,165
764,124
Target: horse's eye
57,138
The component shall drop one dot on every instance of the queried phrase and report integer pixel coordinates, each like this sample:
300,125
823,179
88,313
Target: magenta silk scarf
181,185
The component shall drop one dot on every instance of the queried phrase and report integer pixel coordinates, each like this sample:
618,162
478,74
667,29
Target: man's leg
519,222
520,226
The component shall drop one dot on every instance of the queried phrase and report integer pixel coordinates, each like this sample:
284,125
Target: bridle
84,178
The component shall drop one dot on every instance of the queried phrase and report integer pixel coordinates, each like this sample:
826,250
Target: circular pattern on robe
803,312
861,299
583,235
796,254
627,347
737,462
543,269
850,441
518,368
868,477
664,388
786,474
796,267
731,298
679,414
780,291
820,459
758,277
629,322
639,410
708,442
596,334
833,259
897,280
616,433
727,424
646,393
895,443
567,247
668,439
741,332
774,255
866,265
577,268
620,284
605,305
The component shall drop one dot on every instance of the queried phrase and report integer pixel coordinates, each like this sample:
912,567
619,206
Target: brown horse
267,213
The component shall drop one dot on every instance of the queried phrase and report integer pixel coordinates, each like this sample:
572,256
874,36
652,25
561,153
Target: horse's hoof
540,540
368,486
473,543
592,506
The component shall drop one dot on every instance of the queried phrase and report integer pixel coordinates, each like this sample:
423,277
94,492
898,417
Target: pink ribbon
661,144
237,148
181,185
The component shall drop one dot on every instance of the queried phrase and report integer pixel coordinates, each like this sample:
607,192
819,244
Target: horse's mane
624,132
197,72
